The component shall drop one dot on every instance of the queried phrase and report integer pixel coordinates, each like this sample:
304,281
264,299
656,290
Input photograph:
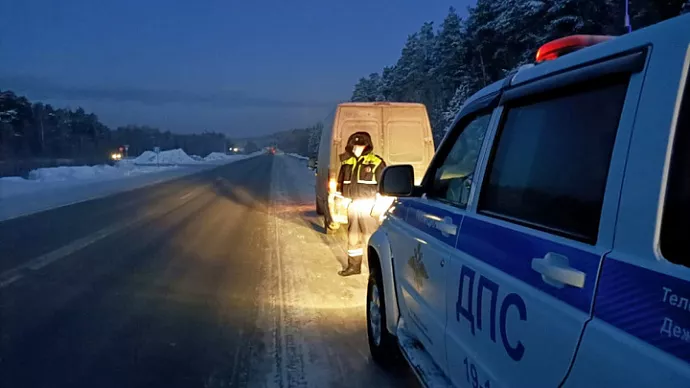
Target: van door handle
556,271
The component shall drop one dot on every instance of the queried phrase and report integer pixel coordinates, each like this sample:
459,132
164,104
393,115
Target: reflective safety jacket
359,177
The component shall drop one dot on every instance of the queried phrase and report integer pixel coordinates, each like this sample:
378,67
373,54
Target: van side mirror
312,163
397,181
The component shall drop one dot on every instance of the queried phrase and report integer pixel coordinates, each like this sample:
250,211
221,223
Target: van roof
379,103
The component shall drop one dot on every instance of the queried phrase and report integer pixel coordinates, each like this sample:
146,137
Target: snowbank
298,156
176,156
218,156
47,188
48,179
65,173
146,157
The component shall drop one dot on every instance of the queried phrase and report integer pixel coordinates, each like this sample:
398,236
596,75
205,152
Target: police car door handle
556,271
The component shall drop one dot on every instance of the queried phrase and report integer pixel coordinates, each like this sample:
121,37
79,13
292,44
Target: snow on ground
221,156
298,156
313,321
47,188
49,179
176,156
68,173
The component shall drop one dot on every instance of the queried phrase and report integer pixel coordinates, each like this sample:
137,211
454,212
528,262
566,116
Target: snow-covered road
217,279
313,320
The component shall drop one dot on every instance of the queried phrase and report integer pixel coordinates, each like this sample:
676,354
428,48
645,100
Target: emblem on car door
418,268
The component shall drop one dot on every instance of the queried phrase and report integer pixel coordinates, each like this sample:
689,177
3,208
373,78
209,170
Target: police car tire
386,353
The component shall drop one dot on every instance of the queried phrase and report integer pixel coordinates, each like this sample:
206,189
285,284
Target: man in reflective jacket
360,172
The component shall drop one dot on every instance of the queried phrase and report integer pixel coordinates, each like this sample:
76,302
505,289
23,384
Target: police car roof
663,32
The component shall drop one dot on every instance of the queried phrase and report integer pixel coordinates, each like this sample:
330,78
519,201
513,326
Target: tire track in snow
313,320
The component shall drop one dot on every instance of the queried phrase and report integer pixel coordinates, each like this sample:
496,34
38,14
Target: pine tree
453,107
447,67
314,139
368,89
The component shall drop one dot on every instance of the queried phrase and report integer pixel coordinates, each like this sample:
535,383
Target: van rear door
407,137
351,119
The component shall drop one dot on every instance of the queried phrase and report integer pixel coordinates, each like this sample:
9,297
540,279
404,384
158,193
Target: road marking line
10,276
76,245
9,281
187,195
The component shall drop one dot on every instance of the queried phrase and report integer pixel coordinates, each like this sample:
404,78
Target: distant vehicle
401,133
547,244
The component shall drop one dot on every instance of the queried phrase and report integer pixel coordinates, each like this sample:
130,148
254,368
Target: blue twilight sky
239,67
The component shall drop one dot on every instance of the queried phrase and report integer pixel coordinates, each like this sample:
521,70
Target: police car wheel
382,345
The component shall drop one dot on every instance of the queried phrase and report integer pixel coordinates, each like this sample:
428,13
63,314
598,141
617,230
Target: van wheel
319,210
383,346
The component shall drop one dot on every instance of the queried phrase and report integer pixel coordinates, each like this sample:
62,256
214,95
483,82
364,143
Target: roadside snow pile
146,157
66,173
218,156
298,156
176,156
197,158
47,180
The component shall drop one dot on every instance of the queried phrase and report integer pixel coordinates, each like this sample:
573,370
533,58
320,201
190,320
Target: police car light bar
560,47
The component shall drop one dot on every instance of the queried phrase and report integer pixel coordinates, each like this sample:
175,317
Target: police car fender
380,244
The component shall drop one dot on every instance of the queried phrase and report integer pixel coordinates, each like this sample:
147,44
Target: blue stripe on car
512,252
634,300
433,220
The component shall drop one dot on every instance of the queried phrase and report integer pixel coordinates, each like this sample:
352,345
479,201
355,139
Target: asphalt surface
182,284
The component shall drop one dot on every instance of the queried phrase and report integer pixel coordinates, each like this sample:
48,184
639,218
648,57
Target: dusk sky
239,67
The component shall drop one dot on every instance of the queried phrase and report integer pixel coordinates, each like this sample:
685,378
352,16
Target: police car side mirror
397,181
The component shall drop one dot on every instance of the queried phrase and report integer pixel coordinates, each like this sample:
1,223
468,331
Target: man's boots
354,266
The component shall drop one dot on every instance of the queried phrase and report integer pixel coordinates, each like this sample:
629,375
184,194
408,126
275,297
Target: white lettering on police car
674,299
670,329
465,307
473,376
486,284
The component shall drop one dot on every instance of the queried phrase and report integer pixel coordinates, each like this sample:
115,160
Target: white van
401,134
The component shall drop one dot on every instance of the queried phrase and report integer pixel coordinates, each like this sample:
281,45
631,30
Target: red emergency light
560,47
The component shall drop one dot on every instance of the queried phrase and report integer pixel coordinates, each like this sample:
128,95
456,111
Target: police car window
551,160
675,224
453,177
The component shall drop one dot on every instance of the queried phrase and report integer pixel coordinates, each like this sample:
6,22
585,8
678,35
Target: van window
405,142
352,126
452,178
675,225
551,161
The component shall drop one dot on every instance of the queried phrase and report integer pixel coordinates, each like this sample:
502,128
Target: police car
549,242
